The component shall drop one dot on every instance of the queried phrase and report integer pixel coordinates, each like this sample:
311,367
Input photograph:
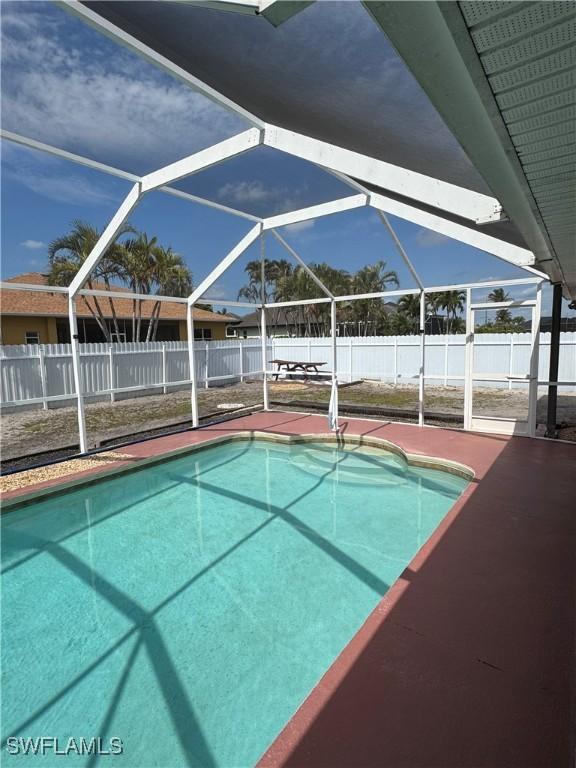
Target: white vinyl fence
396,359
32,374
42,375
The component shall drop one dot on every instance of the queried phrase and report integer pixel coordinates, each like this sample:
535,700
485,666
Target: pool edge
89,477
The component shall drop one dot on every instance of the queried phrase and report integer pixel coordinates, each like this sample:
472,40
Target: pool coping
16,499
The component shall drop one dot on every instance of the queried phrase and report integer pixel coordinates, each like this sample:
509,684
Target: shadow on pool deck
468,661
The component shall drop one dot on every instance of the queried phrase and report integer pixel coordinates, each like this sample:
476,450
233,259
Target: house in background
293,322
27,317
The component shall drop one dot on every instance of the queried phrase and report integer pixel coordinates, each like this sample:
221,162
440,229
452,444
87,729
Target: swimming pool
188,608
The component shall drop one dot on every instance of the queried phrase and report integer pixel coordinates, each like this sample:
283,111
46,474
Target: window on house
32,337
231,331
202,334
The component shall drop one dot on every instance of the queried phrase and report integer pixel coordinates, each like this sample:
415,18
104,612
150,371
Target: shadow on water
188,731
145,630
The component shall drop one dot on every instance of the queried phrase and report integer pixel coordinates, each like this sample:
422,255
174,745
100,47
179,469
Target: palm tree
68,253
503,316
137,269
373,278
171,277
409,307
453,303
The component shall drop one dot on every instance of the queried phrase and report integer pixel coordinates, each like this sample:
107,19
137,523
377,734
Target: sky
80,91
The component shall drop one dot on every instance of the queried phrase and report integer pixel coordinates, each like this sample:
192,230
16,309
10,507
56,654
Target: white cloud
33,245
217,291
243,192
77,90
47,177
427,238
300,226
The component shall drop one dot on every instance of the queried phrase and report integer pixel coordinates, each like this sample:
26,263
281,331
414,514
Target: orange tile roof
56,304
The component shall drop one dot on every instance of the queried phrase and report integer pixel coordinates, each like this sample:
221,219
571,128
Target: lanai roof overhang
466,211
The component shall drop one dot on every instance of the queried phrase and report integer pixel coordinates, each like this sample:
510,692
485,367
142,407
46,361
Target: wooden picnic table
296,366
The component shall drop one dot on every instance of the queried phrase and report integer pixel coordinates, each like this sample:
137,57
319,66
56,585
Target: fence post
164,388
351,366
111,373
206,362
446,345
395,360
43,377
241,362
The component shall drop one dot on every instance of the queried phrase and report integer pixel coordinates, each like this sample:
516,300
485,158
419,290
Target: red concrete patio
469,659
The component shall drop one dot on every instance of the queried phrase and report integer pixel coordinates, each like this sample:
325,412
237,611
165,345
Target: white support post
264,375
192,362
395,360
42,365
111,373
77,374
206,364
263,321
534,361
468,365
422,358
241,358
333,408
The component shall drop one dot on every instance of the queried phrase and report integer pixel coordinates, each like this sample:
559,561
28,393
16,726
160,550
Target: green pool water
188,609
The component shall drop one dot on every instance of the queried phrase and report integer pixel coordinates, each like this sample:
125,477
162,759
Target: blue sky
78,90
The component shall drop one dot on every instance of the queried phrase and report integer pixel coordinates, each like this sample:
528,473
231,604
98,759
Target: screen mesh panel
66,84
265,182
328,72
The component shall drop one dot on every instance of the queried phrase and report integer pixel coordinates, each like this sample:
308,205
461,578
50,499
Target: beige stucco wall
218,329
14,328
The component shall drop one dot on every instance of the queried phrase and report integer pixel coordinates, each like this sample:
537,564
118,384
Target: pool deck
469,660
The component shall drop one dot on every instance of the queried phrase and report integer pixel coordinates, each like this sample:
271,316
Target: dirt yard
33,431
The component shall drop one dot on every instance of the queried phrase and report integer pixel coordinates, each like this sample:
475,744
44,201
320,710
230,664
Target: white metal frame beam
400,249
226,262
302,263
40,146
105,239
315,211
439,194
205,158
118,34
513,254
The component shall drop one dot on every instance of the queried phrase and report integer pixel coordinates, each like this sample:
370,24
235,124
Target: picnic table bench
295,366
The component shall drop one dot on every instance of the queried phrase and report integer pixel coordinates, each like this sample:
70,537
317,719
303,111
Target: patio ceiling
475,92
